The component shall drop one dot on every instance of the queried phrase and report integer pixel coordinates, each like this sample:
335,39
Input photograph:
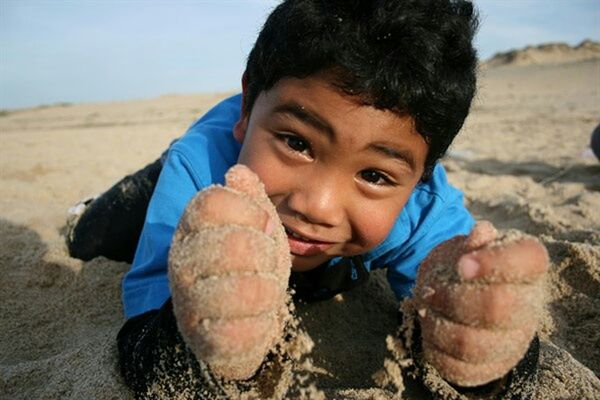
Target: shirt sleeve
146,285
198,159
402,269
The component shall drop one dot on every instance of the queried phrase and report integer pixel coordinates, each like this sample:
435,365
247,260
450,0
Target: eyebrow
301,113
405,156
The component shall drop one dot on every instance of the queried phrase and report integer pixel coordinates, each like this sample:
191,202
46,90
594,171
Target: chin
302,264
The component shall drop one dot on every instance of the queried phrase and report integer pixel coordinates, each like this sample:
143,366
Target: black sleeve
519,384
156,363
326,281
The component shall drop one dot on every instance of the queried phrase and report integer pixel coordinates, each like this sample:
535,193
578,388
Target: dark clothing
323,282
112,224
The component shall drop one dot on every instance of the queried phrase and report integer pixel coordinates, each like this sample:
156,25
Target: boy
346,108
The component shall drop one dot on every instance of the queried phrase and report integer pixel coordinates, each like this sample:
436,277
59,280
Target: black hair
413,57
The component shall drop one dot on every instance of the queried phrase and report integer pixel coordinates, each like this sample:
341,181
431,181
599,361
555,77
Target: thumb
483,233
242,179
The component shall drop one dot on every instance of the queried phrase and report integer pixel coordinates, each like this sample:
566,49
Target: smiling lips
303,246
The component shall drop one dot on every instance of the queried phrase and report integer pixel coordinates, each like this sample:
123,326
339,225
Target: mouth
301,245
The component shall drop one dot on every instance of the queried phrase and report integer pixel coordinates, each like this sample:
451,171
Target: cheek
264,164
372,225
375,230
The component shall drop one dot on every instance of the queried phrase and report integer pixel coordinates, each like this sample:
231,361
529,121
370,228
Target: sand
521,161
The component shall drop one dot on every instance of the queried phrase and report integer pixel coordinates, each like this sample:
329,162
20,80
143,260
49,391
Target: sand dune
549,53
521,161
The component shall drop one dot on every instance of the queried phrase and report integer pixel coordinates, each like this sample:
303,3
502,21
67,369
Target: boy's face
338,172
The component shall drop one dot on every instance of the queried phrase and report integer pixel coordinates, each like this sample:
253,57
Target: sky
59,51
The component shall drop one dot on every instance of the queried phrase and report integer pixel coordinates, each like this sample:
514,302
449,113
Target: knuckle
462,345
245,242
493,306
224,206
247,236
217,195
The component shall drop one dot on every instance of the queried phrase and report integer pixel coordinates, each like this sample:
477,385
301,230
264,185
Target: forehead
321,88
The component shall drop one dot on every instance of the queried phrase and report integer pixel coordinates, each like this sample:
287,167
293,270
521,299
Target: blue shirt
433,213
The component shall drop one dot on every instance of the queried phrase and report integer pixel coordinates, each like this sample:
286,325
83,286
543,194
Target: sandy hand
479,300
229,266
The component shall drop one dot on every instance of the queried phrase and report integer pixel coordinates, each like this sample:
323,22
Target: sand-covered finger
232,296
482,233
475,345
242,179
219,205
227,338
488,306
239,368
467,374
521,260
233,348
220,251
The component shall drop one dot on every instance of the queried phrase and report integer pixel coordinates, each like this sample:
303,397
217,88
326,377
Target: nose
318,200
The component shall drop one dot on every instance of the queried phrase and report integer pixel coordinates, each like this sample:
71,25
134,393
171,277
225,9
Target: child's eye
375,177
294,142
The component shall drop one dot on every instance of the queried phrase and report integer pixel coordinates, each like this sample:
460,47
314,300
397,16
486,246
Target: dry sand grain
520,161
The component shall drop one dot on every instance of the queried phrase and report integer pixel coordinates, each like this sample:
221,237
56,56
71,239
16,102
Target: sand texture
521,161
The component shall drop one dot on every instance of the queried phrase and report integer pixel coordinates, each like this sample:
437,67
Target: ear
240,127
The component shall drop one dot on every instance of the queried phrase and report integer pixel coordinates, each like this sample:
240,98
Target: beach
522,161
